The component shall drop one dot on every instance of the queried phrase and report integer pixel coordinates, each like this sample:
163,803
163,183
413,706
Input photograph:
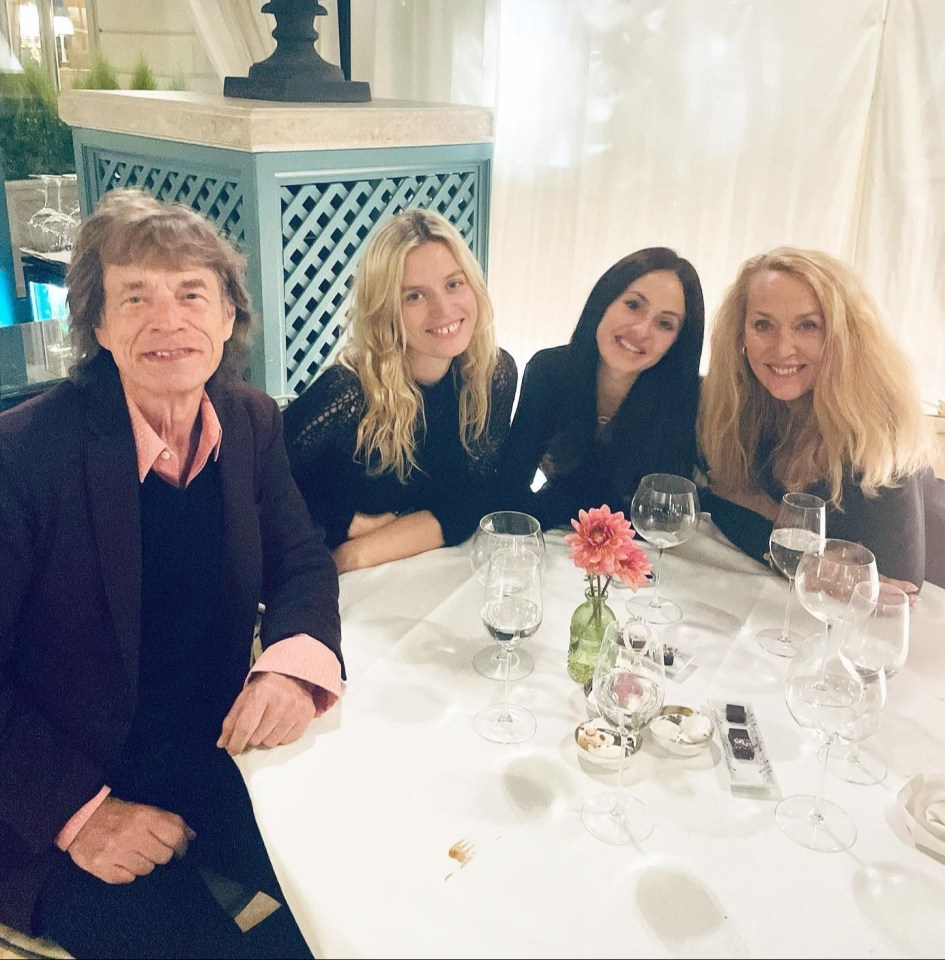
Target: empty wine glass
873,638
38,235
855,765
628,689
826,699
665,512
799,524
827,575
502,530
511,612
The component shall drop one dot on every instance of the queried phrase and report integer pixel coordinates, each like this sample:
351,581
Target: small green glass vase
588,624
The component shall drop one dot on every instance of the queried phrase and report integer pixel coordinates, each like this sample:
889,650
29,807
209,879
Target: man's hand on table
121,841
272,709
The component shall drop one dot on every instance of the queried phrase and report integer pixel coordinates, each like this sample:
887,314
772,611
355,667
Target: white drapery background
718,127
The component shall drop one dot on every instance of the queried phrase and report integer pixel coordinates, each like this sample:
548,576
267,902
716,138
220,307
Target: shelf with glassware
33,357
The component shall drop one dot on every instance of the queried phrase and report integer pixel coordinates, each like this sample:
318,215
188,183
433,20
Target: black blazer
70,619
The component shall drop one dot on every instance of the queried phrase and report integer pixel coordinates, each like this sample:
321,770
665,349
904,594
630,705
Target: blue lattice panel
301,218
324,227
217,198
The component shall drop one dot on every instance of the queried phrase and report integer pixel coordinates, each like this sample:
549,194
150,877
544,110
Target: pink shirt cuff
305,659
79,819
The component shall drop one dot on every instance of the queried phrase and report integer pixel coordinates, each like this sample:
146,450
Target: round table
360,815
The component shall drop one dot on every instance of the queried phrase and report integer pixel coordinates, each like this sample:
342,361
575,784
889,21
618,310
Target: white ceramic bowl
601,743
681,730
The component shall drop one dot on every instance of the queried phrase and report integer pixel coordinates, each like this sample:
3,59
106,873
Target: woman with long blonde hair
807,391
395,446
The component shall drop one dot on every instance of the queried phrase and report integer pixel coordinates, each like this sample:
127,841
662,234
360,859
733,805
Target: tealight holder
682,731
602,743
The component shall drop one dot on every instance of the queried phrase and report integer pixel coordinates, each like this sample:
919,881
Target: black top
904,526
555,429
321,434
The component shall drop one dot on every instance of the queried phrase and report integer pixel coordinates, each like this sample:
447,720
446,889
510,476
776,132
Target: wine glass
854,765
827,699
826,577
504,529
800,523
628,689
36,225
511,612
665,512
873,638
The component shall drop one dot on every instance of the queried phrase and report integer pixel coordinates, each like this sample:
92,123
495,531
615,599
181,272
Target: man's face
165,328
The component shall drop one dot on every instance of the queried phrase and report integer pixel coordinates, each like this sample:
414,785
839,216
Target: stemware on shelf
829,700
511,612
51,228
873,638
38,238
665,512
628,687
503,530
826,577
800,523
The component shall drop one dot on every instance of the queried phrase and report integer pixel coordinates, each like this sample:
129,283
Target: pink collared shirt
299,656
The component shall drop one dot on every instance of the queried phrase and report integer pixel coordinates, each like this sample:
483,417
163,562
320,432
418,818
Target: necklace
603,421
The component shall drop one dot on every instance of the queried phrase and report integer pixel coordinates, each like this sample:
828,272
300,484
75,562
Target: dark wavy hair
657,418
130,226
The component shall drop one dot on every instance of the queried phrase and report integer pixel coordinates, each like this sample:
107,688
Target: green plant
101,76
143,78
32,137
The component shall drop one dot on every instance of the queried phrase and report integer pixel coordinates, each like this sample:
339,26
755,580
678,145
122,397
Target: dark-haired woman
617,402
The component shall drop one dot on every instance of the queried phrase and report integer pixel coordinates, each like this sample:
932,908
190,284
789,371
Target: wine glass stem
825,654
815,813
617,812
785,630
655,602
507,678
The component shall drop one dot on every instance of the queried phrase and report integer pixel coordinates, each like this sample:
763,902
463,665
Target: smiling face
785,334
165,329
439,310
639,327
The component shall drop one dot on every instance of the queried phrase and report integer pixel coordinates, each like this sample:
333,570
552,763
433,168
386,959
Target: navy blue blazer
70,618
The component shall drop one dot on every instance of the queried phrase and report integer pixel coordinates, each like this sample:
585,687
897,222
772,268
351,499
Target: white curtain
718,127
234,34
900,243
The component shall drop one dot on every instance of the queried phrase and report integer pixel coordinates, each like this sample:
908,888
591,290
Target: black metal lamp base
298,89
294,71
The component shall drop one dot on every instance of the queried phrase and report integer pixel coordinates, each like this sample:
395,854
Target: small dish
601,743
681,730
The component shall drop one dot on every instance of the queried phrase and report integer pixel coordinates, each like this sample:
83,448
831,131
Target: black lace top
321,433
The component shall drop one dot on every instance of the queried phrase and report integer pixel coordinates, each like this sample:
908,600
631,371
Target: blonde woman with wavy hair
807,391
395,446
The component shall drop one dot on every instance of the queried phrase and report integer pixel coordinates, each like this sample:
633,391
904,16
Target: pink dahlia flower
602,545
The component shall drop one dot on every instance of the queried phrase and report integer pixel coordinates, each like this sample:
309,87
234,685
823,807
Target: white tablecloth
360,814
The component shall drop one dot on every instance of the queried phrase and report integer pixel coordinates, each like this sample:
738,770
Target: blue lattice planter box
300,216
